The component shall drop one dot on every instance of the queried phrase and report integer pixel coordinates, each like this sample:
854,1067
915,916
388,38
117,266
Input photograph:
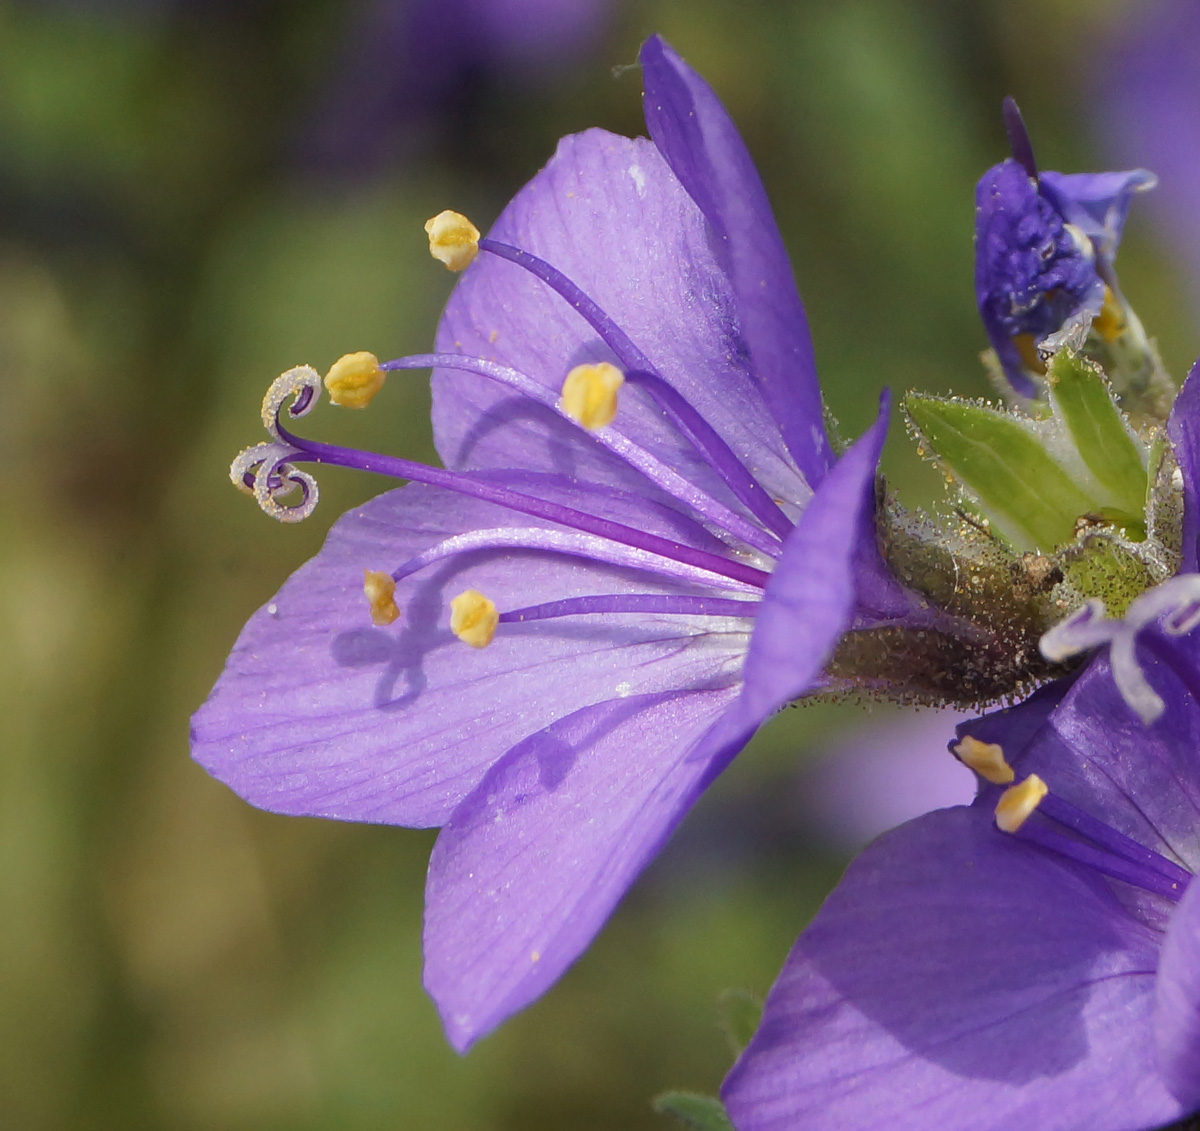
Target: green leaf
1026,494
740,1014
1083,403
702,1113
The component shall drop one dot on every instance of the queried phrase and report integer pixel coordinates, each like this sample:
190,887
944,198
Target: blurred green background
195,196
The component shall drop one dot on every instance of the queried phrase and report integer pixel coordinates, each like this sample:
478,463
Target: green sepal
702,1113
1100,566
1081,400
740,1012
1027,496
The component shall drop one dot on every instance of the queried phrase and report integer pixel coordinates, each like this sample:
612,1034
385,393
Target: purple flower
1147,90
1044,249
656,586
1045,976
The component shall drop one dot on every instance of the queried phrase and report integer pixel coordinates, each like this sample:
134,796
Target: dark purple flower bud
1044,248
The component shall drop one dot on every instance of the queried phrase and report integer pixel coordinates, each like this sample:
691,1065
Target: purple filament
637,457
1103,861
698,431
1107,838
633,603
571,542
315,451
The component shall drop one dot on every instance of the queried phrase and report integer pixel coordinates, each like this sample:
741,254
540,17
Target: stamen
589,394
985,758
473,618
381,594
1110,323
1104,850
637,457
275,475
480,488
637,366
354,380
1018,802
677,605
573,543
1103,862
453,240
1108,838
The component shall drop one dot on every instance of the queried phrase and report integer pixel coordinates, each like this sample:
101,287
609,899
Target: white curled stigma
1174,605
264,470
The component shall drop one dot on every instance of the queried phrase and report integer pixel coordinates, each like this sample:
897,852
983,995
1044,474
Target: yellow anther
1018,802
589,394
453,239
381,593
354,380
986,759
1110,323
1027,349
473,618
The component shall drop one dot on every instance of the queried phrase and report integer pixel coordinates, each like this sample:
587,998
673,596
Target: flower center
589,400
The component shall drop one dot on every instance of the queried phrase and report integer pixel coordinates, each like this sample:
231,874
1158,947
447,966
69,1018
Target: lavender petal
1183,427
1177,1002
958,978
702,145
320,713
533,862
608,213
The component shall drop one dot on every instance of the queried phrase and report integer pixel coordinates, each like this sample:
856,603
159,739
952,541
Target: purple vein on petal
662,476
574,543
680,605
314,451
698,431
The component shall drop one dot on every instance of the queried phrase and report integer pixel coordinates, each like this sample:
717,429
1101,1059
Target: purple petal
1177,1012
533,862
1096,203
702,145
958,978
810,598
1142,780
1183,427
319,713
1094,752
1150,87
608,213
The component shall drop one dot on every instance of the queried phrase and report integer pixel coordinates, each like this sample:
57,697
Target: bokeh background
197,194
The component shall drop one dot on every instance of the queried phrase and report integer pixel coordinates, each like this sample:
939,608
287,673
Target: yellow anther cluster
986,759
381,593
589,394
453,240
1018,802
354,380
1110,323
473,618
